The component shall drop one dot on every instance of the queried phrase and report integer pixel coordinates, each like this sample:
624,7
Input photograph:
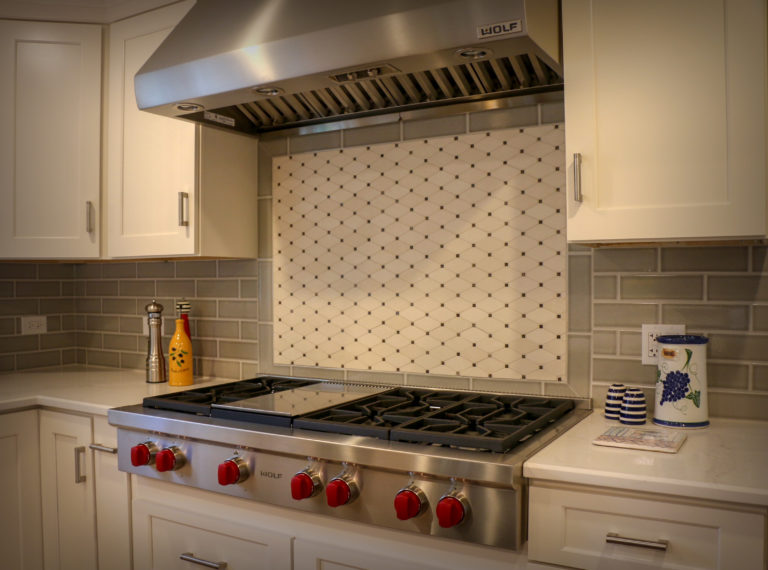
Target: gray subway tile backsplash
738,288
760,317
661,287
704,259
624,259
738,347
124,270
624,314
707,317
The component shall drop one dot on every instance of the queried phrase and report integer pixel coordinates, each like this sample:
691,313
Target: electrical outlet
650,348
34,324
145,326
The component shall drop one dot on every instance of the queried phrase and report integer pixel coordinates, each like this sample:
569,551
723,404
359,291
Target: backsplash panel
440,256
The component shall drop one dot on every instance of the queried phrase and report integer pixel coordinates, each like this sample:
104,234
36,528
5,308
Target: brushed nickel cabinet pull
613,538
104,448
79,453
183,215
88,217
189,557
577,177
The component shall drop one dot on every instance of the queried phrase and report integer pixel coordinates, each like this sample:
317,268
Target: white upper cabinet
173,188
50,112
665,101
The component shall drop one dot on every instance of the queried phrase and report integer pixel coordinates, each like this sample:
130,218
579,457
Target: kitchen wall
95,313
94,310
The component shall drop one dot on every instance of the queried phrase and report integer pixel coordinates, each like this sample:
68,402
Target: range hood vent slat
317,107
429,91
259,112
411,88
393,91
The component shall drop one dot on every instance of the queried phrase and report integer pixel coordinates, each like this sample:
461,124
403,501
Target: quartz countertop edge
87,390
726,461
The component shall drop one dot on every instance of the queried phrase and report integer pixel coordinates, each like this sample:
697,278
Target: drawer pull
613,538
189,557
104,448
79,453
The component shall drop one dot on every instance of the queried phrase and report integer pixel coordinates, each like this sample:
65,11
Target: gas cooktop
488,422
445,463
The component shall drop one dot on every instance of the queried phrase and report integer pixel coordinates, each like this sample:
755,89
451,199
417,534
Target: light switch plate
650,348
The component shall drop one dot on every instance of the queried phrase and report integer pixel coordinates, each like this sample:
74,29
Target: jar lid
682,339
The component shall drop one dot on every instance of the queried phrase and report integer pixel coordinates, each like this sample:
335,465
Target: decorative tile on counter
440,256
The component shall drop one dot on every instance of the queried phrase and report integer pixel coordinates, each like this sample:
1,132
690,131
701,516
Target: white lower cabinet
113,500
21,539
171,520
69,514
310,554
177,531
590,528
85,499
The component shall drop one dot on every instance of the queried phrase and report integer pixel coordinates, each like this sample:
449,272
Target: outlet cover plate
34,324
650,348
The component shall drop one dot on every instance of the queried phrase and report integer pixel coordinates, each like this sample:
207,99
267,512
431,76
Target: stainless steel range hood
260,65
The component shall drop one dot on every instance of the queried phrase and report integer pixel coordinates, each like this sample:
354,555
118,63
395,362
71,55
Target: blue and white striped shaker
633,408
613,400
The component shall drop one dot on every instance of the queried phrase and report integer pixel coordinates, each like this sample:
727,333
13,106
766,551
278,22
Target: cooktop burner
487,422
455,419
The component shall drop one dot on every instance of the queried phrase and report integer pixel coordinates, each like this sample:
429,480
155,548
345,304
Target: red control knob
233,470
450,511
408,504
143,454
338,492
169,459
303,486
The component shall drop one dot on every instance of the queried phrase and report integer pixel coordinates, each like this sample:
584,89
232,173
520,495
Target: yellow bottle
180,357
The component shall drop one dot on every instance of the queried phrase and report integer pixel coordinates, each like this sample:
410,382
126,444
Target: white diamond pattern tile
442,256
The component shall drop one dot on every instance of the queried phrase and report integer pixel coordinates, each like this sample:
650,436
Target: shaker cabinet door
21,538
50,112
67,479
665,108
173,537
151,171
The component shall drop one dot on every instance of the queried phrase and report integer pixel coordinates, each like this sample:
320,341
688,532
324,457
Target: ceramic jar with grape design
681,382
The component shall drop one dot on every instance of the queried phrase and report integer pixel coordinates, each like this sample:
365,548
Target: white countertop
91,390
726,461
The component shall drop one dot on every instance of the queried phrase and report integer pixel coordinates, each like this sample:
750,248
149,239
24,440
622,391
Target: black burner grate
455,419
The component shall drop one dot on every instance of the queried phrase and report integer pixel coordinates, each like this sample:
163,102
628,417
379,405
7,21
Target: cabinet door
69,522
21,539
113,500
167,537
151,172
665,102
50,111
